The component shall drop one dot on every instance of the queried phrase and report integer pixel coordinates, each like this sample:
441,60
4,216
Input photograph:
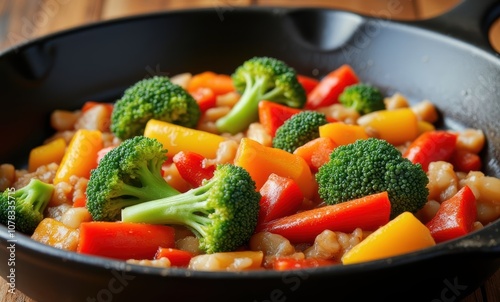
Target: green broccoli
371,166
127,175
298,130
24,207
153,98
261,78
222,212
363,98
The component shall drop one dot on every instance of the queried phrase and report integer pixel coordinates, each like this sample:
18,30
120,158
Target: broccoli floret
127,175
222,212
261,78
363,98
371,166
153,98
24,207
298,130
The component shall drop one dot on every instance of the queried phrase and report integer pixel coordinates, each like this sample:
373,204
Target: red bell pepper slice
281,196
124,240
465,161
205,97
431,146
177,257
368,213
281,264
272,115
329,88
455,217
192,168
307,82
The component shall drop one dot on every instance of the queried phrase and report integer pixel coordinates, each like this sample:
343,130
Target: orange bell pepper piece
218,83
81,155
341,133
261,161
316,152
51,152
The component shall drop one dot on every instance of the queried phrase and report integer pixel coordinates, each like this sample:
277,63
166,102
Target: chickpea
443,182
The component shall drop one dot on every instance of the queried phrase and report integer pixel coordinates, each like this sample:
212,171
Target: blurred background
22,20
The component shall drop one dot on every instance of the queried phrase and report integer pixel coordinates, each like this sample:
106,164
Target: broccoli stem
36,194
272,94
245,111
189,209
153,185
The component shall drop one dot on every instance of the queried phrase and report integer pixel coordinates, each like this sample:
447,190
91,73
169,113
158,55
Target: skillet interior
64,70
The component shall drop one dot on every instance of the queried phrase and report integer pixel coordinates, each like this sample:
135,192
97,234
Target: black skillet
447,60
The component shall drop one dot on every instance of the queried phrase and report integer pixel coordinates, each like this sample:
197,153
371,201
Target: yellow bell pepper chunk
80,156
342,133
260,161
403,234
51,152
396,126
424,126
177,138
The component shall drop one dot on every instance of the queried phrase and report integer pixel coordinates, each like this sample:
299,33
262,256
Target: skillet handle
469,21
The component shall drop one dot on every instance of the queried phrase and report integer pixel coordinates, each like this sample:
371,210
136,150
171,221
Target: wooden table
22,20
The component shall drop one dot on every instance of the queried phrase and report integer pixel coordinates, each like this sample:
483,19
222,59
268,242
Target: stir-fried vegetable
341,133
328,90
261,161
127,175
431,146
81,156
153,98
396,126
404,234
261,169
192,167
369,213
120,240
176,138
257,79
281,196
455,217
272,115
51,152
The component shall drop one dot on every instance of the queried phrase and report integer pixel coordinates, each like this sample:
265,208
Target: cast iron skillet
446,60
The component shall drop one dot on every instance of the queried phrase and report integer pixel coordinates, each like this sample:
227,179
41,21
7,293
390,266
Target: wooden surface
22,20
